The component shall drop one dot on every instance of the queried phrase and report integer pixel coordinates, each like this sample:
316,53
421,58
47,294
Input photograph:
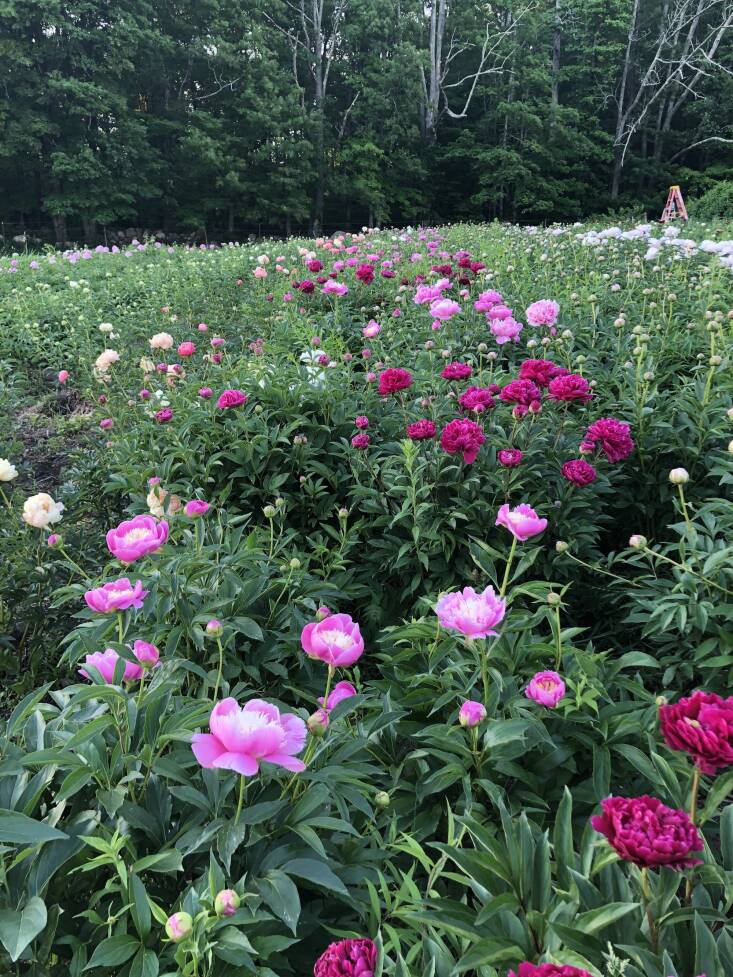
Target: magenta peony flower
242,737
444,309
528,969
570,386
105,661
471,713
648,833
231,398
314,265
521,521
473,615
205,393
701,725
341,691
136,537
196,508
462,437
579,472
393,380
509,457
106,423
543,313
540,371
187,349
611,436
365,274
421,430
360,441
118,595
164,415
335,640
147,654
347,958
477,399
520,392
547,688
456,371
362,422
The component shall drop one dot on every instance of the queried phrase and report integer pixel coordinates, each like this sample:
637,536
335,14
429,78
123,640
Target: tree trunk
59,228
230,221
556,51
89,226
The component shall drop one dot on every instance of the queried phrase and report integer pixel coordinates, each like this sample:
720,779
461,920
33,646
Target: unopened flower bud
317,723
637,541
661,700
561,546
227,902
715,360
382,799
269,512
54,540
179,926
679,476
554,600
323,612
343,514
294,563
214,629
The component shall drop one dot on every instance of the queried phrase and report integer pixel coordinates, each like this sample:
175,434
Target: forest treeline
295,114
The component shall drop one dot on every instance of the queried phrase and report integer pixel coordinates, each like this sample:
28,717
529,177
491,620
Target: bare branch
699,143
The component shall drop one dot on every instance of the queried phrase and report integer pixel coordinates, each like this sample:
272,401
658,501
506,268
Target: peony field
366,605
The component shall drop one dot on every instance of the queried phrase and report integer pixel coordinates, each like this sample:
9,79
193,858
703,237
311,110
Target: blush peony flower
477,399
243,737
347,958
473,615
520,392
161,340
336,640
471,713
505,330
528,969
340,692
547,688
187,349
444,309
136,537
571,386
231,398
543,313
105,662
393,380
540,371
462,437
509,457
648,833
456,371
40,510
360,441
422,430
118,595
611,436
196,508
107,357
521,521
334,288
701,725
579,472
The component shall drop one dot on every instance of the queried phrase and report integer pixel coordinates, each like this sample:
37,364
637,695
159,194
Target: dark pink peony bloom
648,833
307,287
477,399
569,387
393,380
701,725
360,441
362,422
540,371
365,274
611,436
509,457
528,969
520,392
347,958
164,415
314,265
579,472
421,430
205,393
136,537
462,437
456,371
231,398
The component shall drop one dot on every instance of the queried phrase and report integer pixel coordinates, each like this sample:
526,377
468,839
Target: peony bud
554,600
179,926
323,612
294,564
679,476
382,799
561,546
214,629
317,723
269,512
637,542
227,902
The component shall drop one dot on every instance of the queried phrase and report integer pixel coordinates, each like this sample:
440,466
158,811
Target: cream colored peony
161,340
156,502
41,510
105,359
7,471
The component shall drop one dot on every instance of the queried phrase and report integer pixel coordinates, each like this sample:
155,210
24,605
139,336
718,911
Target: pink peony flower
648,833
360,441
611,436
509,457
520,392
426,294
505,330
543,313
569,387
231,398
528,969
393,380
243,737
347,958
579,472
205,393
106,423
473,615
477,399
471,713
462,437
421,430
314,265
362,422
118,595
341,691
63,376
105,662
136,537
336,640
487,300
540,371
444,309
147,654
334,288
547,688
187,349
521,521
456,371
371,329
701,725
196,508
164,415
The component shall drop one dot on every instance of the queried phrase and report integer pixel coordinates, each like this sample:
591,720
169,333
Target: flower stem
681,492
119,627
74,564
240,801
329,679
139,699
693,817
558,639
221,666
508,567
646,892
6,500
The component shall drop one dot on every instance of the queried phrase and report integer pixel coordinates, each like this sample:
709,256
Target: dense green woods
193,115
